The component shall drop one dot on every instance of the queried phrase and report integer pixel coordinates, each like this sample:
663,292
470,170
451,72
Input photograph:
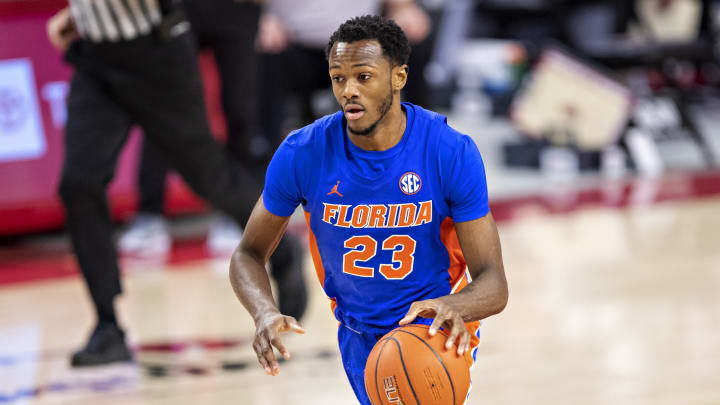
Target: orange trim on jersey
317,260
472,327
458,278
449,238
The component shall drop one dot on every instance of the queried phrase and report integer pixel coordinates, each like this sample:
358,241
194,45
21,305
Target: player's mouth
354,112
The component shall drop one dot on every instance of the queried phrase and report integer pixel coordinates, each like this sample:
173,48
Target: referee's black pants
154,83
228,28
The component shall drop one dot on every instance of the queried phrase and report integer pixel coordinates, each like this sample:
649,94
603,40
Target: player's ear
399,77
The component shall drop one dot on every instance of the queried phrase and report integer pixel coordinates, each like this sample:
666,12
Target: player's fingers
281,348
291,324
269,354
464,344
439,320
412,313
455,331
263,363
264,339
257,346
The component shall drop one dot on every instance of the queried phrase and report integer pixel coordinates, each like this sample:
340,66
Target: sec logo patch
410,183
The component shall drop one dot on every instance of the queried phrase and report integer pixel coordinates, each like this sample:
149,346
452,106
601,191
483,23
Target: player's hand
446,316
61,30
267,335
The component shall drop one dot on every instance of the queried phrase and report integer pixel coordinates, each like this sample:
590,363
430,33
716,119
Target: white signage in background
21,130
55,94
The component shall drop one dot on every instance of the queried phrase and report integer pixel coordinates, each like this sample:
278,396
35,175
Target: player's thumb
293,325
411,315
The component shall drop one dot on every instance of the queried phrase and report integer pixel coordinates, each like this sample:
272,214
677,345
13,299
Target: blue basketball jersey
381,223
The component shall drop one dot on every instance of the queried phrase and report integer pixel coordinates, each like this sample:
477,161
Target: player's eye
337,79
364,76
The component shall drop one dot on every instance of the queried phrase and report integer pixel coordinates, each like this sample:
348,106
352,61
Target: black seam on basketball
377,363
452,386
407,377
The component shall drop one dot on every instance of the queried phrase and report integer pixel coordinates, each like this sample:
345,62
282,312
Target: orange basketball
408,366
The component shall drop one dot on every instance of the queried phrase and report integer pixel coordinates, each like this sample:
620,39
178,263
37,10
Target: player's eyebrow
355,65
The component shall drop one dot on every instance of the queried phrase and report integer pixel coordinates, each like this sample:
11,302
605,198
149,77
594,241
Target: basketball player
135,63
396,204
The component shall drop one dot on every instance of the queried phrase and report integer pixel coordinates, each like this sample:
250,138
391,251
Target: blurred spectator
292,37
709,27
135,65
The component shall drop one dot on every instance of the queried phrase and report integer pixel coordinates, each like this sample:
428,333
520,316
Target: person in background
228,29
293,33
134,64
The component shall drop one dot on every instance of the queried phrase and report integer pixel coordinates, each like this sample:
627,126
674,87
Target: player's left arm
486,295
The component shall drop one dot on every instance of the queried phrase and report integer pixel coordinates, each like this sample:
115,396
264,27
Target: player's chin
358,129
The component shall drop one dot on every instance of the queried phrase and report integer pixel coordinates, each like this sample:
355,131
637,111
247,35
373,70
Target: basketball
408,366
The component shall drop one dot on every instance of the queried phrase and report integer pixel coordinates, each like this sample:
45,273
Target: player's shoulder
438,130
424,116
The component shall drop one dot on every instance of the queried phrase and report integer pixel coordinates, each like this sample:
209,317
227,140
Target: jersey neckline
353,151
374,154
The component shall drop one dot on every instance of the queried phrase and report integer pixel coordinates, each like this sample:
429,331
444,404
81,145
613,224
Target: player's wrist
268,312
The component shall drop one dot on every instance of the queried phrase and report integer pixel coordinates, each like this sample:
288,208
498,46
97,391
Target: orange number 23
364,248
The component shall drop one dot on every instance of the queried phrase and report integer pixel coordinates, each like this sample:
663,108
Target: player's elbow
503,298
244,253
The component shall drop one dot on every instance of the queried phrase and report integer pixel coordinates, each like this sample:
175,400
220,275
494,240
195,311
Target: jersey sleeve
466,190
282,194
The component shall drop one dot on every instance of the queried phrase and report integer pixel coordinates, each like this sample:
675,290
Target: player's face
362,80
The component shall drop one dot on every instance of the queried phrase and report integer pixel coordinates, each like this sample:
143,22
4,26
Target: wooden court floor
607,306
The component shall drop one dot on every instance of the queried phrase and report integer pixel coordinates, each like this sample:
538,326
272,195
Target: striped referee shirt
115,20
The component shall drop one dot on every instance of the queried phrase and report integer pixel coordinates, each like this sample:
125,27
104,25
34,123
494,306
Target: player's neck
388,132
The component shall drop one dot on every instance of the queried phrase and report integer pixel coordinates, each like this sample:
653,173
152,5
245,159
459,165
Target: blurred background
599,125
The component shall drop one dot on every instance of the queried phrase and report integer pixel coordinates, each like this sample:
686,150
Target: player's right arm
251,284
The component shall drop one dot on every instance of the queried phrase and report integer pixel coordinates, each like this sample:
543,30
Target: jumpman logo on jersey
335,190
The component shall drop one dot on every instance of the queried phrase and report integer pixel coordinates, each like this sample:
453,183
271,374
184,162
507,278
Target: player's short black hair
390,36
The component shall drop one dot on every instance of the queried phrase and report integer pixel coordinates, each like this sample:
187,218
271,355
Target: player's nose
351,90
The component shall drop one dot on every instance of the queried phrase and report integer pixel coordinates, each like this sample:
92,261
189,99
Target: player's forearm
251,284
486,295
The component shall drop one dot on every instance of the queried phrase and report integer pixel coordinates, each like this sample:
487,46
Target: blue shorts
355,347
